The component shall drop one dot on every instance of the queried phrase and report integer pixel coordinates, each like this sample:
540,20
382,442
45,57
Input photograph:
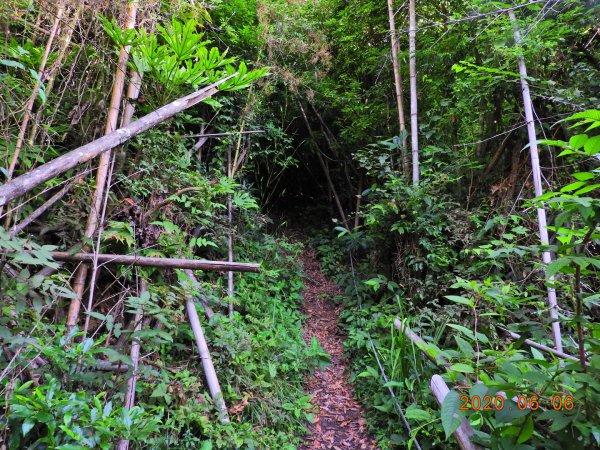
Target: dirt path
339,422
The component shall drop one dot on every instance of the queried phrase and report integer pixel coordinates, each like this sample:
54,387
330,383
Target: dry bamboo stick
145,261
26,182
17,228
439,360
135,356
207,363
463,433
539,346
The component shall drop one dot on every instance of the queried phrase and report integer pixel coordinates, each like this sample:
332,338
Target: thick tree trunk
398,86
537,183
412,67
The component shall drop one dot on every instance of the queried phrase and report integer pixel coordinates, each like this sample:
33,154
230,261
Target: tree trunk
398,85
414,124
537,183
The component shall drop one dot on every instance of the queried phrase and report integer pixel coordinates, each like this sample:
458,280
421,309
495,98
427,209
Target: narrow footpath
339,419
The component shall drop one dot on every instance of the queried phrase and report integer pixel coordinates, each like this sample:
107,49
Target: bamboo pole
102,174
31,101
537,183
398,85
230,286
17,228
207,363
135,356
412,68
464,432
26,182
539,346
165,263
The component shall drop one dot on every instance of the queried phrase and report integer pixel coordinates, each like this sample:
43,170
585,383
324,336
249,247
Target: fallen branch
28,181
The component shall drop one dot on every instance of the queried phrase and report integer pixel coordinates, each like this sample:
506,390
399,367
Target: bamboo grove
165,164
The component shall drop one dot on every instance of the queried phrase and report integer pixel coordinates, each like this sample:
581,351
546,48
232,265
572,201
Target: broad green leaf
463,368
526,430
461,300
583,176
577,141
413,412
450,413
592,145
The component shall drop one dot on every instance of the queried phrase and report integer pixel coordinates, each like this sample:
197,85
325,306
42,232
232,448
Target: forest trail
339,419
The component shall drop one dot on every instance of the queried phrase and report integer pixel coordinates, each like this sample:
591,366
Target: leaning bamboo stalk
464,432
165,263
207,363
26,182
537,183
398,85
438,360
412,67
539,346
135,356
208,311
17,228
102,174
31,101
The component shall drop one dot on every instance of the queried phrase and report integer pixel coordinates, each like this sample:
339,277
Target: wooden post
537,183
463,433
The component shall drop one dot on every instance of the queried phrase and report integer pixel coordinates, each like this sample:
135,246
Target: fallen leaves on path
339,422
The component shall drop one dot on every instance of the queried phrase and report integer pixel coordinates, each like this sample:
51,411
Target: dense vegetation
456,257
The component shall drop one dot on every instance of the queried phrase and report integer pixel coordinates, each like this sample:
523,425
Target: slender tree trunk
412,67
31,101
537,183
103,167
398,85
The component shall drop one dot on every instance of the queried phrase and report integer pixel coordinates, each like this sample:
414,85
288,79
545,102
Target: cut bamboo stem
537,183
438,360
135,356
207,363
464,432
165,263
26,182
